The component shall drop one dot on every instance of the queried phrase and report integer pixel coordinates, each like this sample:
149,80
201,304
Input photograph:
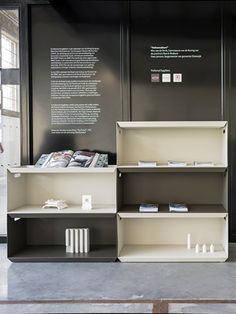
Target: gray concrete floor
115,282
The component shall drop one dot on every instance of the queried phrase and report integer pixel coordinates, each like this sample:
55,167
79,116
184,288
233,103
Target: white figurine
59,204
189,241
197,249
212,249
204,248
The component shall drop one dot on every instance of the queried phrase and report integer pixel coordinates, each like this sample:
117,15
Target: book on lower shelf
178,207
148,208
147,163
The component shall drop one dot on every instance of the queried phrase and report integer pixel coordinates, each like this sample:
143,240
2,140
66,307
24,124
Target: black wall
202,32
187,25
81,26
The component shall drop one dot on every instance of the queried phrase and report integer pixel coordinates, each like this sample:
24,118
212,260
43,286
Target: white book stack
147,163
174,163
203,163
179,208
148,208
77,240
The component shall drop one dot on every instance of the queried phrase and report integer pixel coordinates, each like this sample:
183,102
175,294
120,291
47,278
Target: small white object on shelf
81,241
204,248
212,249
72,240
197,249
174,163
69,241
203,163
67,236
148,208
77,240
147,163
86,202
86,240
59,204
180,208
76,233
189,241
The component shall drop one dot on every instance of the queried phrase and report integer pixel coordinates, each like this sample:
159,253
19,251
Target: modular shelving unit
37,234
162,236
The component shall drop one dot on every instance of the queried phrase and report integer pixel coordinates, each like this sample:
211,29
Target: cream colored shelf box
29,188
189,141
160,239
162,236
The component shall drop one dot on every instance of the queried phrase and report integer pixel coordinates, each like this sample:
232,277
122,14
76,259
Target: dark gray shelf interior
175,187
43,239
57,253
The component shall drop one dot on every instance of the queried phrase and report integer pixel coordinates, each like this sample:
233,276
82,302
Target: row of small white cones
203,248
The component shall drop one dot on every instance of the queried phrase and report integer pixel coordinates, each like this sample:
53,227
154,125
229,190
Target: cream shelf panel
169,253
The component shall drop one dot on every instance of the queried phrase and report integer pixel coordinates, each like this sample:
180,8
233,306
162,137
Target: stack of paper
203,163
174,163
147,163
180,208
148,208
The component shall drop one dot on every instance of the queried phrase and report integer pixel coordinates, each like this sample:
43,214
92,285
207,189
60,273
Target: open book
55,159
68,158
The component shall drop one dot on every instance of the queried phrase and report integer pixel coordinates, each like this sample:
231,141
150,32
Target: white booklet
148,208
174,163
203,163
147,163
176,207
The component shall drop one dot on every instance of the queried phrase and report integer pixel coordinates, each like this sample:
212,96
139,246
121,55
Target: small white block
86,202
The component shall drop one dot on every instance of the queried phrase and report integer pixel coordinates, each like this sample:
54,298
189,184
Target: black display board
175,60
137,60
76,88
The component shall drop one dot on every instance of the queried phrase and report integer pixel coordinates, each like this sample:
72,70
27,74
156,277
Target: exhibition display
199,193
135,212
38,234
